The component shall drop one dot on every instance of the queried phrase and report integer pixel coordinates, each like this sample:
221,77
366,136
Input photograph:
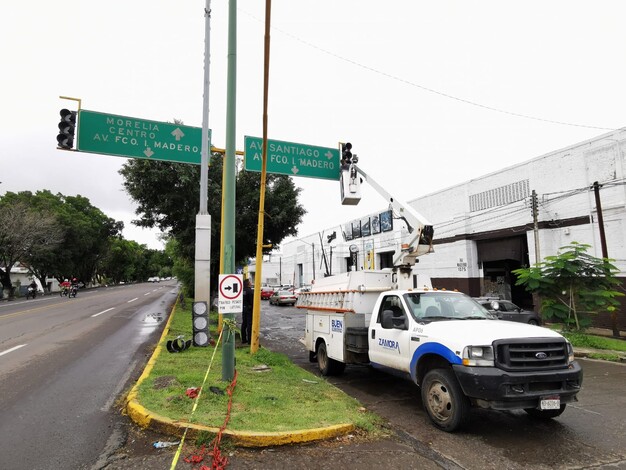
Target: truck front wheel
445,403
327,365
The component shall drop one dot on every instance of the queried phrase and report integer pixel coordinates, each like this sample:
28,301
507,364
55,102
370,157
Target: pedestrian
246,315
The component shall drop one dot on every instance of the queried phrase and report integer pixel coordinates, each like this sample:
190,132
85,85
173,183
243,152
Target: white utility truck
458,353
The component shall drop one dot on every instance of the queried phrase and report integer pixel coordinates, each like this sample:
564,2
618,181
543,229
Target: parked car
297,291
266,292
507,310
283,297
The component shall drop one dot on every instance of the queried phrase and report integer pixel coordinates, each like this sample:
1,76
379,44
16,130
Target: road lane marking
147,293
103,311
12,349
132,300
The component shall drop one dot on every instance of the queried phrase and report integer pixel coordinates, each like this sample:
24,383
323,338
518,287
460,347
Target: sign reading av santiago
288,158
124,136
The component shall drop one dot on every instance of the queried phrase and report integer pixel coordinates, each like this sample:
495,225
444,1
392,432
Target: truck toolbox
356,339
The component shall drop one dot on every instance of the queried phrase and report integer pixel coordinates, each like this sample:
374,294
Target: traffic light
200,322
346,154
67,126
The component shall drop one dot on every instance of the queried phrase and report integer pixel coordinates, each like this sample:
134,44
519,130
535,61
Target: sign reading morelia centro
288,158
138,138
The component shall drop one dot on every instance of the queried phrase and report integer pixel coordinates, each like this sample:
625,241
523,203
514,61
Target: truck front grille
531,354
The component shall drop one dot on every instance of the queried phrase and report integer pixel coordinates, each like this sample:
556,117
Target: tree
83,235
573,285
168,196
24,232
124,261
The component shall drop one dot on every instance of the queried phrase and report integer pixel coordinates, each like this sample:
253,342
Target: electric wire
427,89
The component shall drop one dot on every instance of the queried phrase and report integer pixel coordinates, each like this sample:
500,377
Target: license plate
550,403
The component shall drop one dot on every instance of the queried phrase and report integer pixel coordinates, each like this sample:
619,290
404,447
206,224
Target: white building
484,228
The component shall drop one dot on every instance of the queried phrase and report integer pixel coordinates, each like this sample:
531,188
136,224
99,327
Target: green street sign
288,158
124,136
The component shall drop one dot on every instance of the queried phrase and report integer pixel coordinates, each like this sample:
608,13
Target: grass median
271,393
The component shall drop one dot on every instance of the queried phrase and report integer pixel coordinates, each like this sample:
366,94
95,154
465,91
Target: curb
586,353
146,419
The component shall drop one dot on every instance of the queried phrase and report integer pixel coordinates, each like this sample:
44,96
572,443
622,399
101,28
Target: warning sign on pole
230,293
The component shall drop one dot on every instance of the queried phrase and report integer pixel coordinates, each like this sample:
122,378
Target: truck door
390,346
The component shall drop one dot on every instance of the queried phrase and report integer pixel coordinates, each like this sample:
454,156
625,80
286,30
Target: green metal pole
228,222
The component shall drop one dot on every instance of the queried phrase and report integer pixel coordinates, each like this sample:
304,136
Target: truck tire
328,366
545,414
447,407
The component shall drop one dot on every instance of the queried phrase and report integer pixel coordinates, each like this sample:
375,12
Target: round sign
354,248
231,287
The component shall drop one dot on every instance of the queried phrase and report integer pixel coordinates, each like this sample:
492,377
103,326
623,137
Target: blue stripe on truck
433,348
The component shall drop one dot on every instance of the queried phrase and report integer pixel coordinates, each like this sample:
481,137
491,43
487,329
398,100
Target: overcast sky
430,94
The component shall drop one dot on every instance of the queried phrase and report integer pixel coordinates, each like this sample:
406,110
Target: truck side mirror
391,320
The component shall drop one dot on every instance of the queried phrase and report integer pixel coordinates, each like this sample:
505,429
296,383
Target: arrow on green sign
124,136
288,158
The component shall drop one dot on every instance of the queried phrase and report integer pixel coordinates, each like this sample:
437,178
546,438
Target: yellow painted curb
146,419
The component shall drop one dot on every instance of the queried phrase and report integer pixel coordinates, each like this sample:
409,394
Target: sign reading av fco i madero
124,136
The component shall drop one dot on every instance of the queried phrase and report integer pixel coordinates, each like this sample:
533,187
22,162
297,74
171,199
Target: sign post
288,158
123,136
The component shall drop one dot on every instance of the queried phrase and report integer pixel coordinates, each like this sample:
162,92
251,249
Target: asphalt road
590,434
50,405
63,364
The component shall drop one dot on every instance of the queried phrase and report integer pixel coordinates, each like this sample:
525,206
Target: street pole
535,225
202,265
256,311
228,213
596,191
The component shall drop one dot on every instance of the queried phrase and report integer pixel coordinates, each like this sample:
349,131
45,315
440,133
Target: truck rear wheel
444,401
328,366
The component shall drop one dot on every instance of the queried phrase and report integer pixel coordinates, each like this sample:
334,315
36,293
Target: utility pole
228,199
202,265
256,312
535,211
605,251
596,190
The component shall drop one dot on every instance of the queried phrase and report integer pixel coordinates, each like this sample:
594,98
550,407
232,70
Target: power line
431,90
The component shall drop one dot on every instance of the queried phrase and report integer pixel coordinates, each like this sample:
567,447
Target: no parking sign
230,293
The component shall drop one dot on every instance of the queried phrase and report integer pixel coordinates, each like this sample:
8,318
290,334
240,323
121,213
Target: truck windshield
438,305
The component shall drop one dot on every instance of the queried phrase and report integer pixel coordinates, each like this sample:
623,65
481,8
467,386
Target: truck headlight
570,353
478,356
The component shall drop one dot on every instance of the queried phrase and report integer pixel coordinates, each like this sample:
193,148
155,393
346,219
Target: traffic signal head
346,154
67,125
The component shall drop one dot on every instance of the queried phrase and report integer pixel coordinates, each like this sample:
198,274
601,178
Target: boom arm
420,238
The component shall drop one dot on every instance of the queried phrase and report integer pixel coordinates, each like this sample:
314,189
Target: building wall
497,207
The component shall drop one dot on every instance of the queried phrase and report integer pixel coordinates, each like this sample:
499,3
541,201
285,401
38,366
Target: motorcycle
72,291
31,292
64,291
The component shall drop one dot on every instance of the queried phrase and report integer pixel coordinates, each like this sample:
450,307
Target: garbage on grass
162,444
193,392
178,345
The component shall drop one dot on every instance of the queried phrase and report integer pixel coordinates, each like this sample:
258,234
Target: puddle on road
153,318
